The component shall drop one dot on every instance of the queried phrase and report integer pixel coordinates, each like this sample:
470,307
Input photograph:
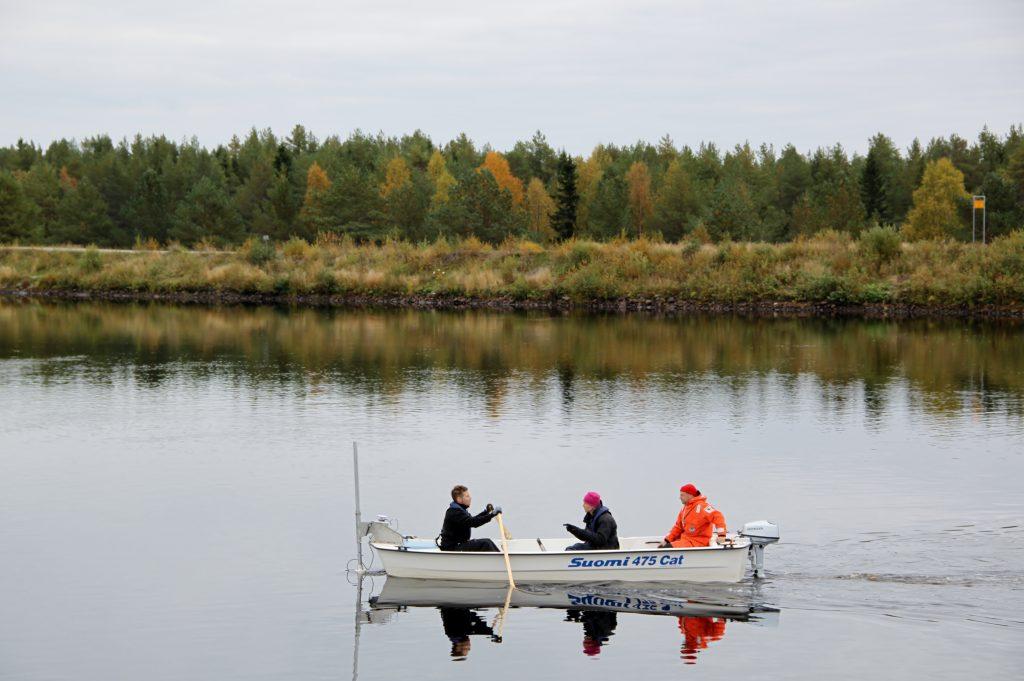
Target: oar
499,619
504,552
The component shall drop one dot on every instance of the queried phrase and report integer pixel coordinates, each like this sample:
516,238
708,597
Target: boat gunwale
380,546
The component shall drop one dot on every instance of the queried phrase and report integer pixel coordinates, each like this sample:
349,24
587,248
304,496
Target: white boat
547,561
638,559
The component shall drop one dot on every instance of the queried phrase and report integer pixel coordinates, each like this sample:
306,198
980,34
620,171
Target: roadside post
977,202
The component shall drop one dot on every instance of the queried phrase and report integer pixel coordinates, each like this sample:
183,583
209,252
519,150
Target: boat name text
625,561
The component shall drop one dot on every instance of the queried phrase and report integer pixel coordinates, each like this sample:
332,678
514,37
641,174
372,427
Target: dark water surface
176,491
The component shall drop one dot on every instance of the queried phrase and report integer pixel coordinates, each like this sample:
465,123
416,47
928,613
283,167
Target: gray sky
583,72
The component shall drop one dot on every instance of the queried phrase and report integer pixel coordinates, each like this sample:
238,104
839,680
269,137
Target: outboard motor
382,530
761,533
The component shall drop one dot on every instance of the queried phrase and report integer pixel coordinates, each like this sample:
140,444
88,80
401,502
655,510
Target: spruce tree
872,191
567,199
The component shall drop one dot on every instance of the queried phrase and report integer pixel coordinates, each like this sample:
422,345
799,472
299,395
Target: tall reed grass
829,267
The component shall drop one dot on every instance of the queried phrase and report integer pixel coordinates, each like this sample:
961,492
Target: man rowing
599,531
459,523
695,521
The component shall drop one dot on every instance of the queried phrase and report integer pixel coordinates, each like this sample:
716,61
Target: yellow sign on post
979,204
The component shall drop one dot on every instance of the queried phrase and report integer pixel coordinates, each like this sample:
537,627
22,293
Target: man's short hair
457,491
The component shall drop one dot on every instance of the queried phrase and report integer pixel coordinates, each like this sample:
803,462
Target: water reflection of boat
650,599
700,613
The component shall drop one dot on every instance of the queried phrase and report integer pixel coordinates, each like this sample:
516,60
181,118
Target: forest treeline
371,187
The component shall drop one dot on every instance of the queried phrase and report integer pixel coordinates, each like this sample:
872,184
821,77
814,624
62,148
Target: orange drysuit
694,522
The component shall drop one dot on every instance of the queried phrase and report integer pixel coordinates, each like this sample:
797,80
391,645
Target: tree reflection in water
941,367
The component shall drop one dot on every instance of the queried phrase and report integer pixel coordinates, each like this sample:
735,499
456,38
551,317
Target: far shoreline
829,275
655,306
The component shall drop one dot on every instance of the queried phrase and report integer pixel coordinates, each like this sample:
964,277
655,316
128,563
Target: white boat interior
561,544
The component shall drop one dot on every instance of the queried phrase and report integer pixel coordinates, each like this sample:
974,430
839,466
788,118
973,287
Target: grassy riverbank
831,268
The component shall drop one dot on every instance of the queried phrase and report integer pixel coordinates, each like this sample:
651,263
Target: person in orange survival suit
698,632
695,521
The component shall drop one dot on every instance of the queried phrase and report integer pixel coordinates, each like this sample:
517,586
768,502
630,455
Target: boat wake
1014,579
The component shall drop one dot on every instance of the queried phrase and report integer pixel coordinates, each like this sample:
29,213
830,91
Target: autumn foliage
396,176
638,180
371,188
937,202
498,166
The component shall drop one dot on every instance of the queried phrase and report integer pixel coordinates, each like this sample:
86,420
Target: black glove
490,508
569,528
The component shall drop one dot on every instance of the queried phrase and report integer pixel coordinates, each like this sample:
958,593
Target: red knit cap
690,489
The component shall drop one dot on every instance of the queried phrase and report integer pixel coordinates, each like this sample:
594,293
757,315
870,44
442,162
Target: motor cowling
761,532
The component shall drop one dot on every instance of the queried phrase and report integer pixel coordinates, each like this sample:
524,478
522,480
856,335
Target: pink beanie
592,499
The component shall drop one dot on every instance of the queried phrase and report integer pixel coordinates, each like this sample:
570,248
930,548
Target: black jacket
461,623
600,530
458,525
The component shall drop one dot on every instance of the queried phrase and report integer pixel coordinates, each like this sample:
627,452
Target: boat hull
701,564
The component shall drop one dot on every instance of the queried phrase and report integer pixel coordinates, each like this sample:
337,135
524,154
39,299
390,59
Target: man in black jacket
458,524
599,531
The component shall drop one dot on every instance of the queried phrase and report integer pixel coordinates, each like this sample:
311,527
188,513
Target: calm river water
176,491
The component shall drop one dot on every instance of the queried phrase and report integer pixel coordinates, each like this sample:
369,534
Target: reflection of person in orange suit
698,632
695,521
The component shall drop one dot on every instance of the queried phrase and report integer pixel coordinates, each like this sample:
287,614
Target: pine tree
16,212
42,188
206,213
284,207
675,203
733,214
252,198
609,206
150,208
1015,172
353,205
567,199
479,207
83,218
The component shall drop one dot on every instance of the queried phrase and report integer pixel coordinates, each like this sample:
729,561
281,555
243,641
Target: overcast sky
583,72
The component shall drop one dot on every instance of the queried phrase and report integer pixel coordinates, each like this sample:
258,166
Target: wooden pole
504,612
360,531
504,552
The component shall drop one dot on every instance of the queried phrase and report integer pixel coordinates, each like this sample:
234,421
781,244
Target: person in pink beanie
599,530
